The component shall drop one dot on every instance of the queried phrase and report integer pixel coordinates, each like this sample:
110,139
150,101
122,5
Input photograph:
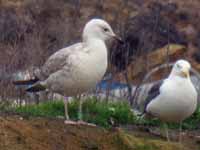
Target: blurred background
155,32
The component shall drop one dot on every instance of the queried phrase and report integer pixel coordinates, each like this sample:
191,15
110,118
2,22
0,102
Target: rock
20,134
138,68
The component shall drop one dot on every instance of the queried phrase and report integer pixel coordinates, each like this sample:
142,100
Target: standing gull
78,68
174,99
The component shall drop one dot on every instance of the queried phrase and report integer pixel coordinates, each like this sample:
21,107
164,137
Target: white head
99,29
181,68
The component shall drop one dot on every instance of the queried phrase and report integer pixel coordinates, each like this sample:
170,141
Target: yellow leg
180,136
166,132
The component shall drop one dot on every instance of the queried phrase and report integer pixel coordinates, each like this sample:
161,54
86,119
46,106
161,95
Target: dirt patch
52,134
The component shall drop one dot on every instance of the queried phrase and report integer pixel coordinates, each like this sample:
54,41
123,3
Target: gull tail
25,82
36,88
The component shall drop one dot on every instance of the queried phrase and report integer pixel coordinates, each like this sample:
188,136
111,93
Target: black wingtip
36,88
26,82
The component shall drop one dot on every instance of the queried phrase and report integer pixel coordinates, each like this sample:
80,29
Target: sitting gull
78,68
175,98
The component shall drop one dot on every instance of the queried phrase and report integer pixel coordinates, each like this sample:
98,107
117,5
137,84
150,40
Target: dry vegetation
22,134
32,30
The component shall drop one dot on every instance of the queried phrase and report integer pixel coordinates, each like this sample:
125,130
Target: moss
130,142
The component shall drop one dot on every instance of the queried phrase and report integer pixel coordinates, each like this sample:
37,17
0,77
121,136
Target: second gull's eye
178,66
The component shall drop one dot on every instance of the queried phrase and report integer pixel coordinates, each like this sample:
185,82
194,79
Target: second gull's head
181,68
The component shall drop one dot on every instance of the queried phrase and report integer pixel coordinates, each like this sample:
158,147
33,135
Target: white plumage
176,102
177,98
82,68
77,68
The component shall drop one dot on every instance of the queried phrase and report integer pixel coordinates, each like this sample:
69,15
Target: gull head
181,68
99,29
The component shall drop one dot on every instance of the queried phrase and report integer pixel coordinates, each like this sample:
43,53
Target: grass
191,123
130,142
48,109
94,111
101,113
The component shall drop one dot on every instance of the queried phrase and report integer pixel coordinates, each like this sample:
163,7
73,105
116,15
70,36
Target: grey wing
57,61
153,93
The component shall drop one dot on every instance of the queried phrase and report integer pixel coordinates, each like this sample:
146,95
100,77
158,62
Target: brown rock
138,68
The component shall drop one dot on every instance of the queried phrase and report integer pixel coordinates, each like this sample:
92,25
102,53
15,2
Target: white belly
83,76
89,74
174,105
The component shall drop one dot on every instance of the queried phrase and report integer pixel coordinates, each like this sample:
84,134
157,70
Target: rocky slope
52,134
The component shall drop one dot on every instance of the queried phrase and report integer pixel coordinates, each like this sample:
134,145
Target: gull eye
105,29
178,66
